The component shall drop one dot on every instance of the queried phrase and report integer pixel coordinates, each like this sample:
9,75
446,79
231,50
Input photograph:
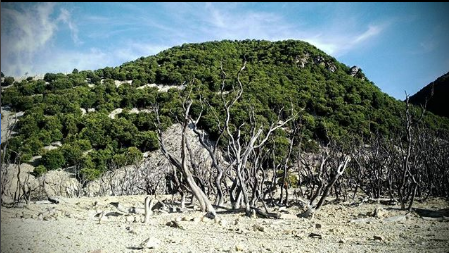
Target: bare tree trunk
244,190
340,171
182,165
17,194
219,201
148,207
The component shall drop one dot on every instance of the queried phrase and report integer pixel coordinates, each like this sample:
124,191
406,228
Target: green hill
436,93
334,101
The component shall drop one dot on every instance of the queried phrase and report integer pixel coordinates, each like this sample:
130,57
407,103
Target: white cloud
27,30
338,42
66,60
329,48
133,50
28,45
234,22
371,32
65,17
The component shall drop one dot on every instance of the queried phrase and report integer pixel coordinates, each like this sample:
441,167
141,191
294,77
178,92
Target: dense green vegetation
436,94
332,102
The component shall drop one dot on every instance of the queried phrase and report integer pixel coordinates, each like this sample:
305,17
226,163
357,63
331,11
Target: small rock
258,227
396,218
288,232
379,212
136,210
53,200
151,243
299,236
241,231
318,226
378,238
237,221
119,207
287,216
341,241
196,219
102,217
222,223
362,220
185,218
207,218
91,214
314,235
239,247
391,202
26,216
174,224
178,219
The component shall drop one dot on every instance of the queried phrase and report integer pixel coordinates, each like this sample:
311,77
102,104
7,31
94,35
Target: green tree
88,170
39,170
133,155
9,80
53,159
34,145
72,153
147,141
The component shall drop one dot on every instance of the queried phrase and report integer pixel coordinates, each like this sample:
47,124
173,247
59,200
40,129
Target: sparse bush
39,171
53,159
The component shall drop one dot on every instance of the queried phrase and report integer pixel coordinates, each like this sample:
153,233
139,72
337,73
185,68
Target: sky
399,46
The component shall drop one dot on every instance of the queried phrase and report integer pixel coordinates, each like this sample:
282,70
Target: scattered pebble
258,227
151,243
378,238
314,235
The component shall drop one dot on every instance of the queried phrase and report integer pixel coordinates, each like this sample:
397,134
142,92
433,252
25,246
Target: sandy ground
73,226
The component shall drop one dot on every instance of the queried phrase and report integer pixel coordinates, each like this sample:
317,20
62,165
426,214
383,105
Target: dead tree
241,147
181,165
408,185
212,148
328,174
286,164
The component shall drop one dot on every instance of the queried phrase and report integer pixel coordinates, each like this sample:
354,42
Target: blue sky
400,46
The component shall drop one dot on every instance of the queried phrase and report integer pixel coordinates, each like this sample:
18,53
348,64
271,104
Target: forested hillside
279,81
434,96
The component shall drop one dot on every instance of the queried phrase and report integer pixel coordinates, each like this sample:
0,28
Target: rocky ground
99,224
